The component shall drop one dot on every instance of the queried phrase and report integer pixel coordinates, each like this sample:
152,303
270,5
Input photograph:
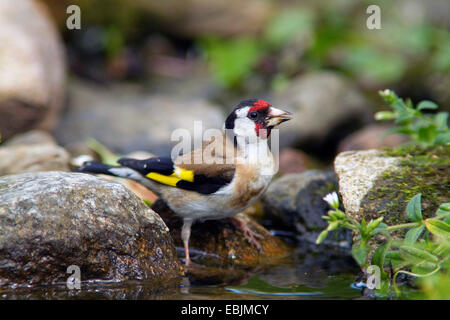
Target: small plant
423,129
422,252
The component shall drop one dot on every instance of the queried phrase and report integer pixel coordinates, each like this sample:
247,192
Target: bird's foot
252,237
188,263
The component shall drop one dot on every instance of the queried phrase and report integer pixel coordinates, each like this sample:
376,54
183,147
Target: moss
325,189
420,170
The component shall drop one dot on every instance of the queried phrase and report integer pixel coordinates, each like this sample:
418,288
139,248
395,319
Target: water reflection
309,273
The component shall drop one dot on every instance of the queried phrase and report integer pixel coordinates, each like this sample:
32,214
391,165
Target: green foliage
372,63
286,26
422,252
147,202
232,60
323,37
105,154
436,286
423,129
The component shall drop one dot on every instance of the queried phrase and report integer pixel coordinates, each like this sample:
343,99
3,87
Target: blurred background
137,70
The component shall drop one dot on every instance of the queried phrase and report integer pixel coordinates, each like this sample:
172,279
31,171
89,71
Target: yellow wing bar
179,174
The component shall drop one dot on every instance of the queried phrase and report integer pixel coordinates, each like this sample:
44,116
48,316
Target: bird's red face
255,117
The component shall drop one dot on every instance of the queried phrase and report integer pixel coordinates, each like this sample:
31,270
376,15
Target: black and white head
255,118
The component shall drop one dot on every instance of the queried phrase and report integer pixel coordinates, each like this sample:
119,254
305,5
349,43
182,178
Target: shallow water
309,273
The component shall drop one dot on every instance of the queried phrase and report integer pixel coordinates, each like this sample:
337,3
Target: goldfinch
220,179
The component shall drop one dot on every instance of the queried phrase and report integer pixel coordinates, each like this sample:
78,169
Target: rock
293,161
210,17
437,84
220,245
30,138
376,183
125,119
18,158
51,220
417,12
370,137
32,81
295,202
188,18
325,107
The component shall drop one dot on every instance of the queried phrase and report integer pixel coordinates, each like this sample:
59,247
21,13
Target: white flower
332,199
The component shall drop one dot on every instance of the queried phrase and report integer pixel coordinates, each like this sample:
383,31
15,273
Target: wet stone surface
219,244
51,220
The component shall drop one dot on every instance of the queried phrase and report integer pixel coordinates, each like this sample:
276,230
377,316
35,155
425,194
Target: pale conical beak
276,116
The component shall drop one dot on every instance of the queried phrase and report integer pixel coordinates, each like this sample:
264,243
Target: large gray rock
126,119
32,80
51,220
295,201
324,105
376,183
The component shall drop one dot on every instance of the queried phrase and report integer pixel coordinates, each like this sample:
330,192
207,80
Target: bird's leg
252,237
185,235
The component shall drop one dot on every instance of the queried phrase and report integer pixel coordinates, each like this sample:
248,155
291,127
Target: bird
223,177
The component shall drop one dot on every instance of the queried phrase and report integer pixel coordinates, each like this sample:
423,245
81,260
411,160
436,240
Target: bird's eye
253,115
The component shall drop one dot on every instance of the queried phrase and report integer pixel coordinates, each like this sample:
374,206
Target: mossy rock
376,183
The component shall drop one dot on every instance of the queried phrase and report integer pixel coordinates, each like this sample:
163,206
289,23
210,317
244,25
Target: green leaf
380,228
414,234
438,227
147,202
385,115
322,236
426,104
404,118
374,224
423,267
393,257
443,209
442,138
360,254
363,225
415,255
414,209
402,130
333,225
379,255
440,119
399,106
105,154
427,134
443,250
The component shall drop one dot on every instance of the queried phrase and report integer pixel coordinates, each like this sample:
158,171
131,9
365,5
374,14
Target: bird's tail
96,167
119,171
